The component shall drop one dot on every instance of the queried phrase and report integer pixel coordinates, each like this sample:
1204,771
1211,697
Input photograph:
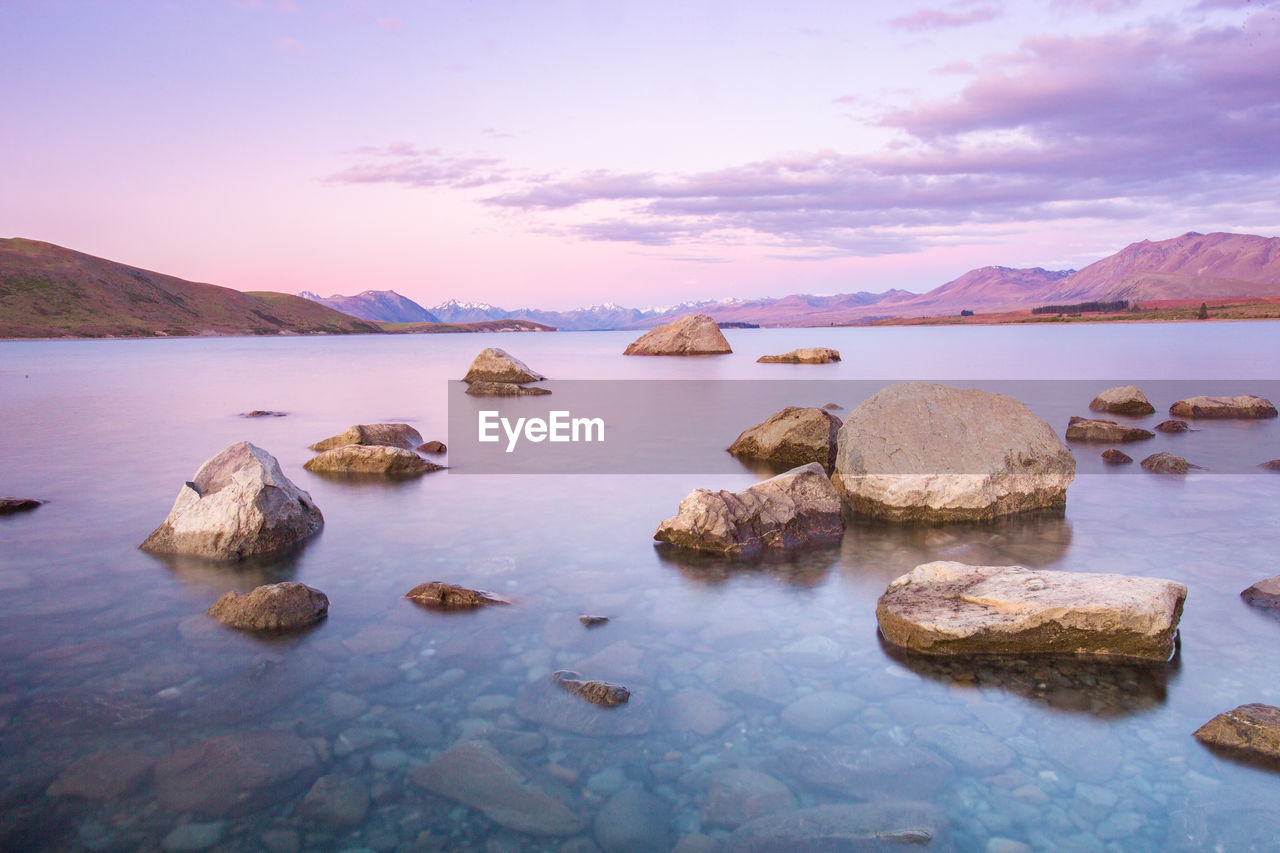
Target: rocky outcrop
1245,406
1116,457
696,334
1250,731
384,435
1264,593
1173,426
923,452
796,508
495,365
274,607
808,355
236,774
1123,400
12,505
366,459
595,692
239,505
793,436
474,774
504,389
1085,429
865,826
947,608
438,595
1166,463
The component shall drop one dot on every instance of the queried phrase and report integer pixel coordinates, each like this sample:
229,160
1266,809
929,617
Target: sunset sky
558,154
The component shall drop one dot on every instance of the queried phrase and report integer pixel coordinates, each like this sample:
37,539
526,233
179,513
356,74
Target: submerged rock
632,821
696,334
866,826
946,608
495,365
1086,429
374,459
102,775
1250,731
239,505
1116,457
504,389
373,435
447,596
1166,463
808,355
797,508
1173,426
793,436
336,801
918,451
235,774
474,774
1264,593
1245,406
12,505
273,607
736,795
595,692
1123,400
544,702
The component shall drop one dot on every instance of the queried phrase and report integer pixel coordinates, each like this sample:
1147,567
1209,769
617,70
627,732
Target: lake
755,686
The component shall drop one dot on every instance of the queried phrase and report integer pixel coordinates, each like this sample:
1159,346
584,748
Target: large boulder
696,334
1085,429
495,365
1245,406
807,355
793,436
917,451
1124,400
274,607
789,510
370,459
385,435
1250,731
239,505
236,774
947,608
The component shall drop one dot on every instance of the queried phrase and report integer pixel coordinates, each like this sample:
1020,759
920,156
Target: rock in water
1124,400
447,596
808,355
1245,406
495,365
918,451
1084,429
946,608
590,621
1172,426
374,435
793,436
482,388
12,505
1116,457
696,334
797,508
632,821
273,607
595,692
239,505
1273,465
474,774
866,826
370,459
1165,463
1265,593
236,774
1250,731
432,446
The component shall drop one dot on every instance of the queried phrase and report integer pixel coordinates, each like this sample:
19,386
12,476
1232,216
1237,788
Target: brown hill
985,289
49,291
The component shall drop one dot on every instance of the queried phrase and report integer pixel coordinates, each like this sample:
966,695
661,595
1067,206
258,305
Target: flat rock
1173,426
474,774
481,388
875,771
793,436
1087,429
236,774
946,608
373,435
736,795
918,451
820,712
806,355
1116,457
542,701
1122,400
495,365
797,508
1166,463
1245,406
438,595
336,801
102,775
12,505
699,711
1250,731
240,504
696,334
1264,593
263,413
370,459
274,607
632,821
596,692
826,829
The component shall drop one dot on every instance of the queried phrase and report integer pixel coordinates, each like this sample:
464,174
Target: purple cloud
406,164
937,19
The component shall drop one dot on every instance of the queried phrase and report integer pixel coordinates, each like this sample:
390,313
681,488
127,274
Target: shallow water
775,666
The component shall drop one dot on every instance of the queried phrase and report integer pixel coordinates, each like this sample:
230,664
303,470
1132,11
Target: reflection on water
754,685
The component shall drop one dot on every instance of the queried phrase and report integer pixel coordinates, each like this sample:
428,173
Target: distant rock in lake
809,355
696,334
1273,465
1166,463
1116,457
370,459
1246,406
239,505
433,447
447,596
8,506
1124,400
263,413
373,435
1173,426
282,606
1085,429
1264,593
495,365
793,436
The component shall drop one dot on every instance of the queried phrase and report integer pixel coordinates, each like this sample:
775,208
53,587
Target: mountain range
1192,266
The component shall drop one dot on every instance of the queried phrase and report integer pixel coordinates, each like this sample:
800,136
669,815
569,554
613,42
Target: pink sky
560,154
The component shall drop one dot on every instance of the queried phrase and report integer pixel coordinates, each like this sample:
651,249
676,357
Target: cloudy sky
556,154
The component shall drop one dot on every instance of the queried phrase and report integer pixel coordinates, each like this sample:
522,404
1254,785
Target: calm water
774,668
